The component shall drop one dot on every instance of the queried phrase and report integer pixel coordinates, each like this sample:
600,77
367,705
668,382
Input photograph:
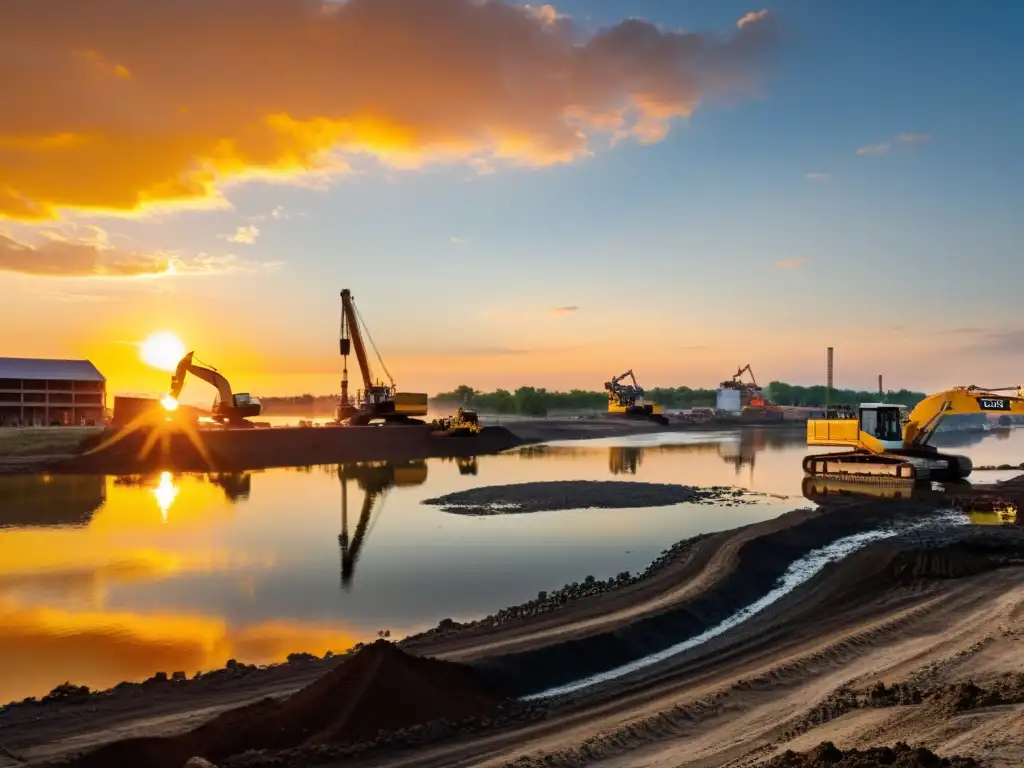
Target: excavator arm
928,414
210,376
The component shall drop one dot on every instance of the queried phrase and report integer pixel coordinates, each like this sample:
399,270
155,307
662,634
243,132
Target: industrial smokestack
881,392
828,387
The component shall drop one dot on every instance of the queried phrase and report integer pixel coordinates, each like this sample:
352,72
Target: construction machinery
375,479
377,400
890,448
628,399
465,423
229,408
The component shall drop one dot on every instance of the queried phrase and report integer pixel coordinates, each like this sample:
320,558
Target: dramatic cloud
813,176
245,235
915,138
873,149
57,256
119,106
563,310
794,263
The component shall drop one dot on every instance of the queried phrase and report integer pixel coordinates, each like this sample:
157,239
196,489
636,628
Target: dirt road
929,607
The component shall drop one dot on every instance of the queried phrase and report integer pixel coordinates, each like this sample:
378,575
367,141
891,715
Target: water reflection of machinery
743,453
980,510
375,479
236,485
31,500
625,460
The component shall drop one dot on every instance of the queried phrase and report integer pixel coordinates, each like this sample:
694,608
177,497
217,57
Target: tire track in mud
746,694
679,718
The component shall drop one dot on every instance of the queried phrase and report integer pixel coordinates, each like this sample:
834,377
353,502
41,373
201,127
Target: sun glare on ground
162,351
169,403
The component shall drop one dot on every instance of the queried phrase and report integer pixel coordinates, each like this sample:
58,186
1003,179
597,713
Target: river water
104,579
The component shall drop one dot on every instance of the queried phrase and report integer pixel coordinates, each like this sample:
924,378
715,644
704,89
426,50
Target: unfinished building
40,393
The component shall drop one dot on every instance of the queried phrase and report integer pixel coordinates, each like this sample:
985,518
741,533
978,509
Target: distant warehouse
38,393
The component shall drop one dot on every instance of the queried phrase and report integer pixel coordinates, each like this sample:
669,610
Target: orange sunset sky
515,194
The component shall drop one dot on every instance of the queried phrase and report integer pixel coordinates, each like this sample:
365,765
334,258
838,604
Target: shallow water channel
104,579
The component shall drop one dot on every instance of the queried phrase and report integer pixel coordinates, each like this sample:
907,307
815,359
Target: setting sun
169,403
162,351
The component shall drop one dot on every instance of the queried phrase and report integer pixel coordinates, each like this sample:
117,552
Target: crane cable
370,338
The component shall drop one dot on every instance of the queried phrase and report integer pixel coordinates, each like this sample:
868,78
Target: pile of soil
381,688
828,755
517,498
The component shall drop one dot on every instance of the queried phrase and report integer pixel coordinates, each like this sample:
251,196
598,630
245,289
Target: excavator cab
884,422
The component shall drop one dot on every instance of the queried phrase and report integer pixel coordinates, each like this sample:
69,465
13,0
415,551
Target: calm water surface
104,579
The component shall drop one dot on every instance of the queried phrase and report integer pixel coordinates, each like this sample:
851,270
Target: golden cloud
120,106
60,256
563,310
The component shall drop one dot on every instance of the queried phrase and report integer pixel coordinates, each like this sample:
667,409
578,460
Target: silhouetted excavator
628,399
376,401
229,407
375,478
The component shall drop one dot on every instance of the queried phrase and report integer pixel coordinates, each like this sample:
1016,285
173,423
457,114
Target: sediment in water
518,498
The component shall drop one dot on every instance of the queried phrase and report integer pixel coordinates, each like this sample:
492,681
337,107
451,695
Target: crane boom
350,331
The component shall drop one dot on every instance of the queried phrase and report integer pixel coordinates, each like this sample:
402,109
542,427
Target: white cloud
816,176
873,149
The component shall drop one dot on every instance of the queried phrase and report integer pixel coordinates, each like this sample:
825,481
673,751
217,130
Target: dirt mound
380,689
966,696
517,498
901,755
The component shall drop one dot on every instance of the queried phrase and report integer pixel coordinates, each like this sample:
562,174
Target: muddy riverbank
153,449
965,580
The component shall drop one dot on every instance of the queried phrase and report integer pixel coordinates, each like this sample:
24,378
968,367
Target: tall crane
229,407
628,399
377,400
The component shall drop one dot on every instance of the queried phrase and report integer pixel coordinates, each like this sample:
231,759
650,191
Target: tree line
538,401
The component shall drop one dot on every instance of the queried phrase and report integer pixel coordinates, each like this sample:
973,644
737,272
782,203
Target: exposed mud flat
519,498
932,607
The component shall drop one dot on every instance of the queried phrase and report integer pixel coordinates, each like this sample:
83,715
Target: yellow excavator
376,401
229,408
890,448
628,399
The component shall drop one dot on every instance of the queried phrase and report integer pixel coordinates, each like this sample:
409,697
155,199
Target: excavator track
896,468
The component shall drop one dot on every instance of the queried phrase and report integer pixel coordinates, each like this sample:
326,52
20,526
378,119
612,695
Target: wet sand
937,604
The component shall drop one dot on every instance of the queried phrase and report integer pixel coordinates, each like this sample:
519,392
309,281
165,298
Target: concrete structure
39,393
728,400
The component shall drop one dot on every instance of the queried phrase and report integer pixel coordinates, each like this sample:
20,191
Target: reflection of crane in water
236,485
744,452
375,478
624,460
